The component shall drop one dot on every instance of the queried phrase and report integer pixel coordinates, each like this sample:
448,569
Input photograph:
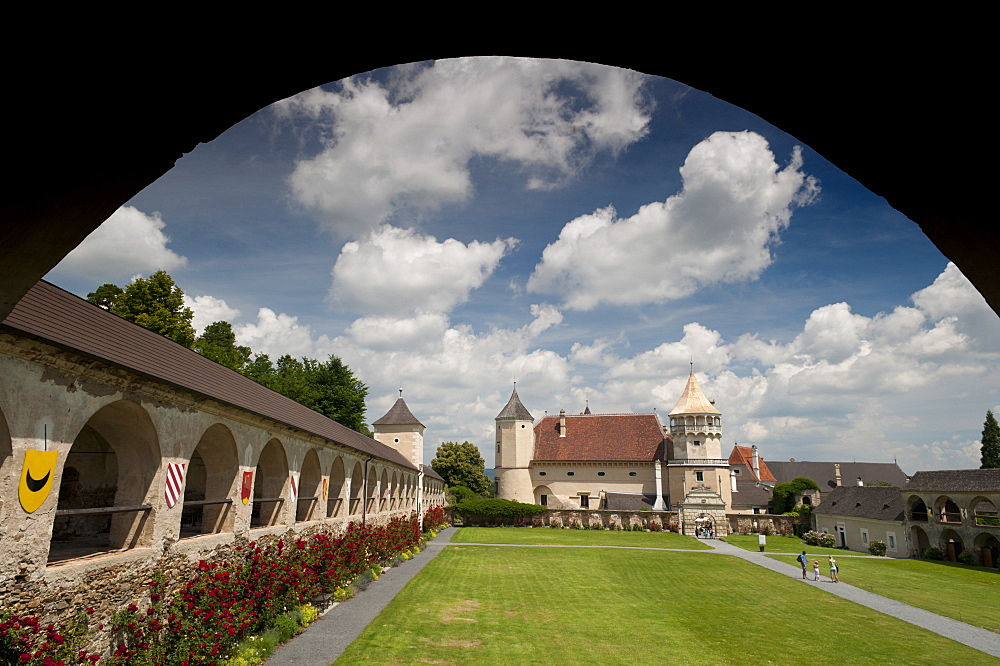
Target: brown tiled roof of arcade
956,480
743,455
600,437
55,316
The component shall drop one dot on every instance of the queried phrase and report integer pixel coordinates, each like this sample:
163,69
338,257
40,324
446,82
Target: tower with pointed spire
696,470
515,446
401,430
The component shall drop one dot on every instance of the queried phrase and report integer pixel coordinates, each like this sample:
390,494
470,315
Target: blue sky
451,227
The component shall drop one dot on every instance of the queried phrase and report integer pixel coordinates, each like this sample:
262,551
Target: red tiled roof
600,437
50,314
743,455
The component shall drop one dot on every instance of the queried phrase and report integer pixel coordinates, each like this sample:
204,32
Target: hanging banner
247,487
174,483
293,490
326,489
36,478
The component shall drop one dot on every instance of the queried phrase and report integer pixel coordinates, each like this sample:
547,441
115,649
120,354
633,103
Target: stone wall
758,523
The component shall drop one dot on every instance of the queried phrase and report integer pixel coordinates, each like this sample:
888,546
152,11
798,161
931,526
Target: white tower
515,447
401,430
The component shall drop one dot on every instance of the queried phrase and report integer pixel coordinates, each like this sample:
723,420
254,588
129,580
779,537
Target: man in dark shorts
804,561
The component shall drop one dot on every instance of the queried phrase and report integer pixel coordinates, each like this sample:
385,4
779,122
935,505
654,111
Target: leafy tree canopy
990,442
156,303
462,465
783,495
218,342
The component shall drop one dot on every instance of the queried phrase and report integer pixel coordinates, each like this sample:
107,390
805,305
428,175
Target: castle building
618,461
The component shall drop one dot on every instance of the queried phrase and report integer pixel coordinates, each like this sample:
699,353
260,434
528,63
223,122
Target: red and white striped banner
175,480
293,489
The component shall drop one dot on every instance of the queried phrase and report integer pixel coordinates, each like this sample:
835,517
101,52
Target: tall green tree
462,465
218,342
990,442
783,495
156,303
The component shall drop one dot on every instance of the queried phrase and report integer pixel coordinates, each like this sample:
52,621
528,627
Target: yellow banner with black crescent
36,478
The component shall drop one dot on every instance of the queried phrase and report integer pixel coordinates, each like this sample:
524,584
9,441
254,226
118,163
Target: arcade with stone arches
957,521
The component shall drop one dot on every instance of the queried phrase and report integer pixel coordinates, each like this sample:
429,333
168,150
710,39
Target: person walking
834,569
816,570
804,561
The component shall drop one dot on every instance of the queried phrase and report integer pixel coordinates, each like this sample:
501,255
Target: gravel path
327,638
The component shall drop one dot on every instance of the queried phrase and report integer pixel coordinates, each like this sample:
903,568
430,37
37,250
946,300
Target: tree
218,342
462,465
990,442
105,296
783,495
156,303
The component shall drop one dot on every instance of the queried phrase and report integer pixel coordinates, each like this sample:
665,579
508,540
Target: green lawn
549,536
969,594
780,544
501,605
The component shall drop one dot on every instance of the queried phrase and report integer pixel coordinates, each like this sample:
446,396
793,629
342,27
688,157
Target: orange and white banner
293,488
175,481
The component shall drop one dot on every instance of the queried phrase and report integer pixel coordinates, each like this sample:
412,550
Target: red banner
247,487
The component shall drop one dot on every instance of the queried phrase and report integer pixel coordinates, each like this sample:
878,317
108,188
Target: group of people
804,561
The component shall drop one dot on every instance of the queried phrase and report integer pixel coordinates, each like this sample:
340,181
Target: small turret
401,430
515,446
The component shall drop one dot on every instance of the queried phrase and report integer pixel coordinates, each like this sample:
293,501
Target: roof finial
692,364
400,391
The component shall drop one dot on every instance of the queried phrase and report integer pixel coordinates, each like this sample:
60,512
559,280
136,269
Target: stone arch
543,496
310,488
988,549
917,510
108,497
357,489
211,482
372,491
947,510
385,491
919,539
984,512
335,499
951,545
270,486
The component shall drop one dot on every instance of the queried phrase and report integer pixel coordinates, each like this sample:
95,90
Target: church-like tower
515,447
401,430
696,463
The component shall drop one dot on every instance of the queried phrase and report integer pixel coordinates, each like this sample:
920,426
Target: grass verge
780,544
554,537
964,593
486,605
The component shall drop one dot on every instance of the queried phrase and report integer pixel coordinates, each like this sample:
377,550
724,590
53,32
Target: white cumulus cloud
407,144
208,310
399,270
129,242
735,202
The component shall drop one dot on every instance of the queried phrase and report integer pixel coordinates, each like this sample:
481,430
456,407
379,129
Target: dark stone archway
89,135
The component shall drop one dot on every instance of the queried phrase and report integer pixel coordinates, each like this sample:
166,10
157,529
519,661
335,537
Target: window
631,473
699,476
541,473
864,537
890,538
570,473
396,440
600,474
584,500
543,500
697,442
498,447
736,471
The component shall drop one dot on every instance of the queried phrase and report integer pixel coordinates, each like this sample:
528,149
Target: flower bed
203,620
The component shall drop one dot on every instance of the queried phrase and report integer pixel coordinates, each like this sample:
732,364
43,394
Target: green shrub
496,510
877,548
965,557
933,554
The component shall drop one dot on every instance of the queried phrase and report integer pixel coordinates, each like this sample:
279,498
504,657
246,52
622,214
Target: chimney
860,482
756,463
732,479
562,422
836,471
